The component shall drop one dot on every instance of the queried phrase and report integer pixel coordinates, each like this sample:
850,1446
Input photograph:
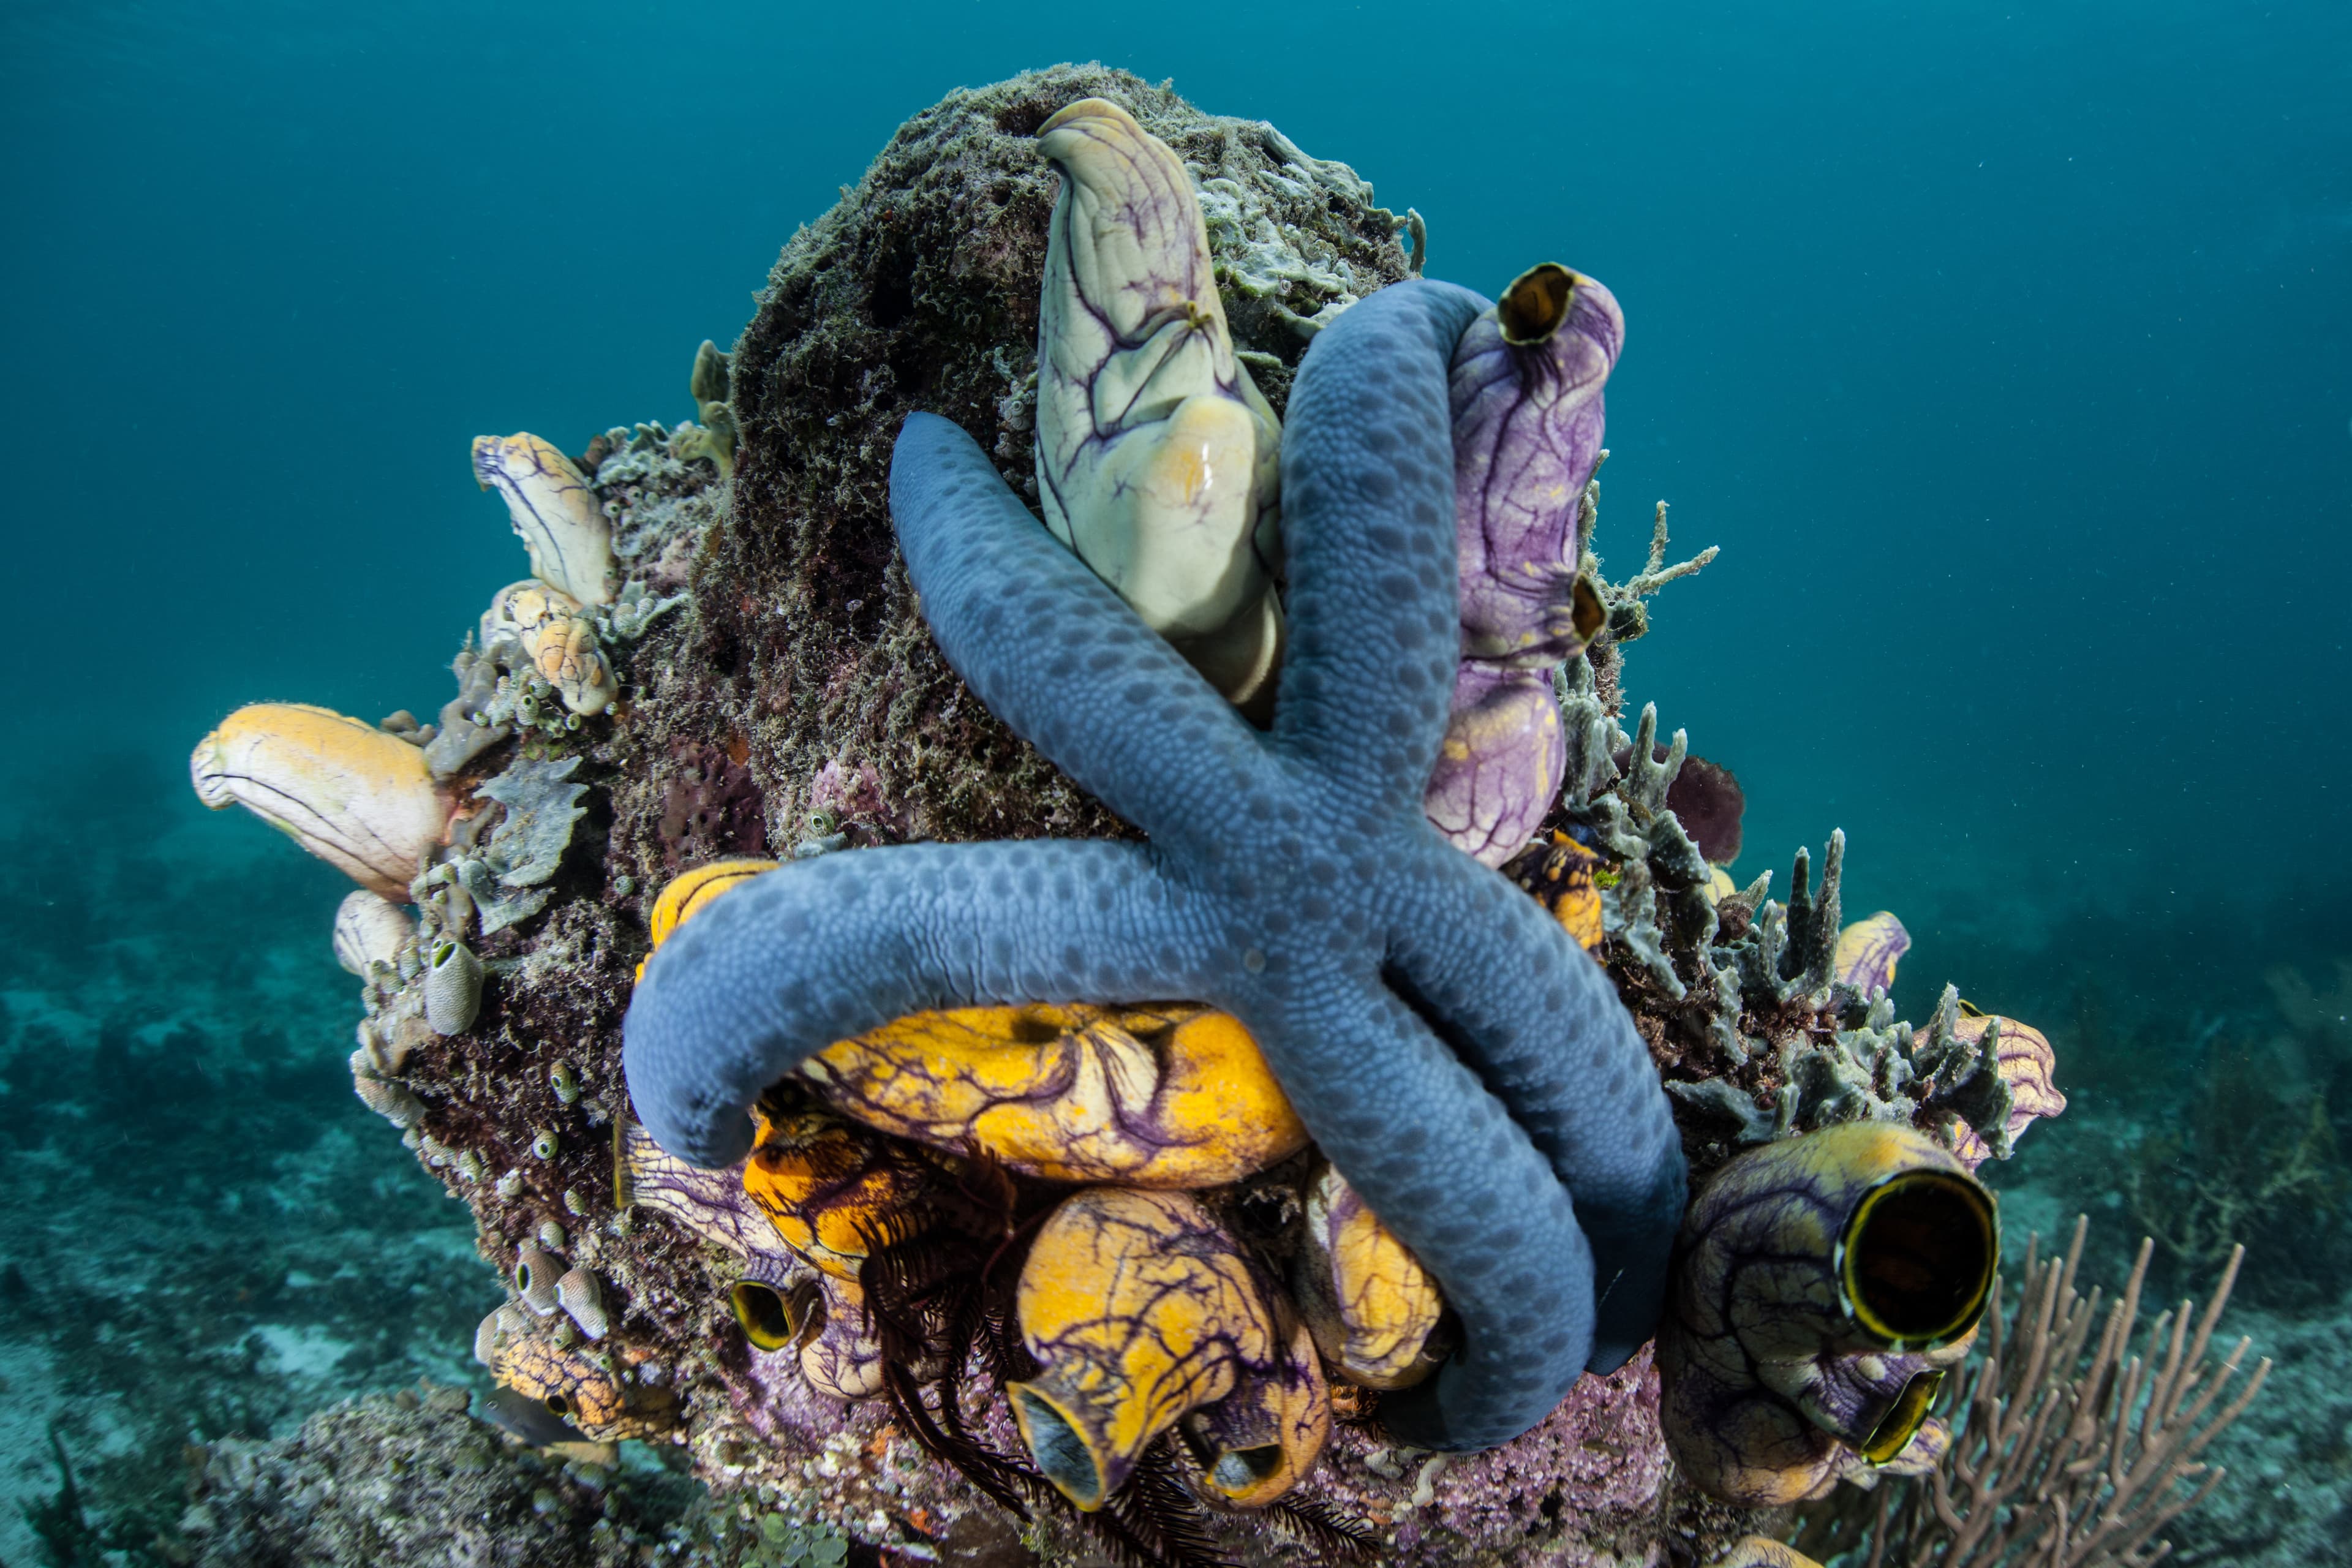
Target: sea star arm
1057,654
1368,503
821,949
1541,1024
1436,1157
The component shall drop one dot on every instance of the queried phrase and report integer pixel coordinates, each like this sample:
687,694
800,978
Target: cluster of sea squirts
1148,1300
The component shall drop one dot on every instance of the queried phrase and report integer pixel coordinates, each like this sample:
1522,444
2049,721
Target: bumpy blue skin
1464,1064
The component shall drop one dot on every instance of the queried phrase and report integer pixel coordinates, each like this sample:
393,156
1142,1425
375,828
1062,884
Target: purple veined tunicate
1526,385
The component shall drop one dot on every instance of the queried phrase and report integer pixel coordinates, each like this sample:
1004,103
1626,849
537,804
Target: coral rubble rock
400,1479
1309,908
921,289
764,687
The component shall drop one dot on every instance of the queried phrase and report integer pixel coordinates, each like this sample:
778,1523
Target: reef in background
407,1477
202,1235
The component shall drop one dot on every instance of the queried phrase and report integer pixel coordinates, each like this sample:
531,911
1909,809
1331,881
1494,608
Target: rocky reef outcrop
735,670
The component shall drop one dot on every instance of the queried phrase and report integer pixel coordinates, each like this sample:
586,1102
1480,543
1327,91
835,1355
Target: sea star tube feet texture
1458,1058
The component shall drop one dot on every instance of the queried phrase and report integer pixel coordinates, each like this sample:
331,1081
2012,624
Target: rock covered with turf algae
920,290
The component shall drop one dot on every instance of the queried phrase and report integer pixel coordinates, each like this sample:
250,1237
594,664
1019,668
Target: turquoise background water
2006,350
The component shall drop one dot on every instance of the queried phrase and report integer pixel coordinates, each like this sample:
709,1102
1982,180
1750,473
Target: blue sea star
1466,1068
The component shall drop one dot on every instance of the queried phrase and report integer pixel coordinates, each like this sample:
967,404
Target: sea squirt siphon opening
1536,304
1059,1448
771,1319
1238,1470
1902,1420
1588,614
1919,1258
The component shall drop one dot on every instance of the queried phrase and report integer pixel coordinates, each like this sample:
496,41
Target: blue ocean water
2006,352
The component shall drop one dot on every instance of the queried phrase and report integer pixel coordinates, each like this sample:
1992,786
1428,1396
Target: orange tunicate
603,1403
1138,1308
833,1191
683,896
354,794
1564,877
1373,1307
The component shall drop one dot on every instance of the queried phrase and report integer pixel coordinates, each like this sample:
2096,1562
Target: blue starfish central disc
1462,1062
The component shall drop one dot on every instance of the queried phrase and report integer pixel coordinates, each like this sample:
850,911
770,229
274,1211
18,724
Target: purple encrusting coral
1707,799
1526,386
711,806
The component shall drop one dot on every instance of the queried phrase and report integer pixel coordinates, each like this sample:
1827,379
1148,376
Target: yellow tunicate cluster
1140,1307
556,638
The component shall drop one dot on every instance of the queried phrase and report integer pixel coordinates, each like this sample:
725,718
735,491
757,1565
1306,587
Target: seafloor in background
206,1238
